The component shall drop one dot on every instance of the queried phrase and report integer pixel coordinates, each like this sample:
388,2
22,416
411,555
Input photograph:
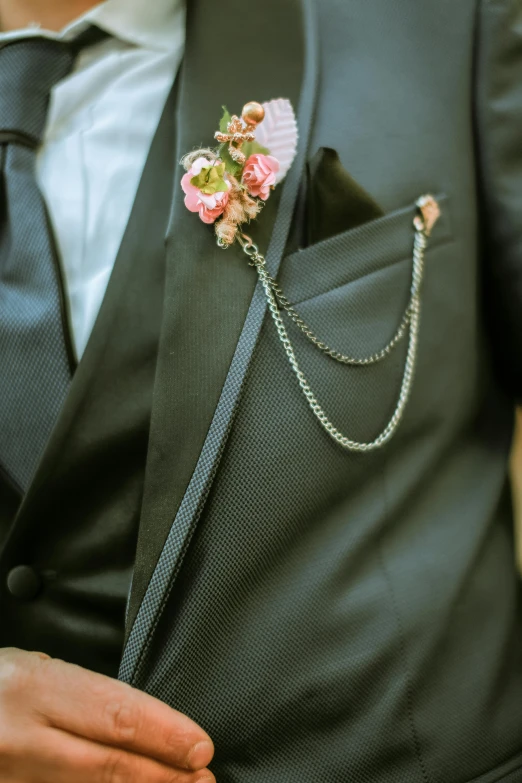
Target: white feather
278,133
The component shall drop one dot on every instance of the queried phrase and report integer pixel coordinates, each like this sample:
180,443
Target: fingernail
200,755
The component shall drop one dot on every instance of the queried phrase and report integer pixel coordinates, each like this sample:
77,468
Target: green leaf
253,148
225,119
231,166
210,180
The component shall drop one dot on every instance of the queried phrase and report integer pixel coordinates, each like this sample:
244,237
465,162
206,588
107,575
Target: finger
112,713
59,757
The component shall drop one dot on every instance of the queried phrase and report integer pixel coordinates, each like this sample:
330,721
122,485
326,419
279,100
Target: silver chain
341,357
410,318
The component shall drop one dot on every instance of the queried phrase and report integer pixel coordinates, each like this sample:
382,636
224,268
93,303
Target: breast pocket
353,292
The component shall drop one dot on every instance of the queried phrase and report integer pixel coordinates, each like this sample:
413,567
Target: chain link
411,319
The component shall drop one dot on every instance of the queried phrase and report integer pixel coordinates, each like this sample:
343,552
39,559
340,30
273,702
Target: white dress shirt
100,126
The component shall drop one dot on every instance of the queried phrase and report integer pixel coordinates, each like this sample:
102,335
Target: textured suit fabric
337,617
34,348
77,526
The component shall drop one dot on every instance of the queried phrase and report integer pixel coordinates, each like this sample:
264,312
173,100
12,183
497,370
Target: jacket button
23,583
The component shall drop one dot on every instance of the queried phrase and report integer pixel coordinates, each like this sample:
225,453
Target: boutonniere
228,184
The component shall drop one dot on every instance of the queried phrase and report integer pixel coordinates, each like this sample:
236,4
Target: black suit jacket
329,616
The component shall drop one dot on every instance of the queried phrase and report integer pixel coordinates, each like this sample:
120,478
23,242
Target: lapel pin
229,184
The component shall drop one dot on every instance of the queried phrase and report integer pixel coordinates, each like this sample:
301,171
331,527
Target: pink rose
259,175
209,206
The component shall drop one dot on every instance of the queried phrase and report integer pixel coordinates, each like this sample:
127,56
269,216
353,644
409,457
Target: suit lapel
208,291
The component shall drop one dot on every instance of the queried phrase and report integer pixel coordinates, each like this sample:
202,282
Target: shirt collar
151,24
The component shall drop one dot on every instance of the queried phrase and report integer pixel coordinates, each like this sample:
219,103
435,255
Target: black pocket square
335,201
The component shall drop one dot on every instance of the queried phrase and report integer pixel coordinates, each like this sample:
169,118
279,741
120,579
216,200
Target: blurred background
516,470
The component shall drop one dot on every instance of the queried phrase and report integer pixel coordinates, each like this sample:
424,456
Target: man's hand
60,723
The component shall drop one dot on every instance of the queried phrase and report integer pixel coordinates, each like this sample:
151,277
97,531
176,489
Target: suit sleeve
498,113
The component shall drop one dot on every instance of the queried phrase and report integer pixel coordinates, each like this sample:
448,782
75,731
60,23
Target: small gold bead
253,113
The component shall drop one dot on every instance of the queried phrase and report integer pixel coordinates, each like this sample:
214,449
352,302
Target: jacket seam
402,645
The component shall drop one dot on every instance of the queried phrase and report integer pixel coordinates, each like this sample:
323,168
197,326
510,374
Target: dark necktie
35,355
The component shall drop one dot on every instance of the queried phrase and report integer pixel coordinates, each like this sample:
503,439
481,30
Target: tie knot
29,69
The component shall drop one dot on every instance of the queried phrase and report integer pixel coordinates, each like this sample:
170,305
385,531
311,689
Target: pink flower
209,206
259,175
